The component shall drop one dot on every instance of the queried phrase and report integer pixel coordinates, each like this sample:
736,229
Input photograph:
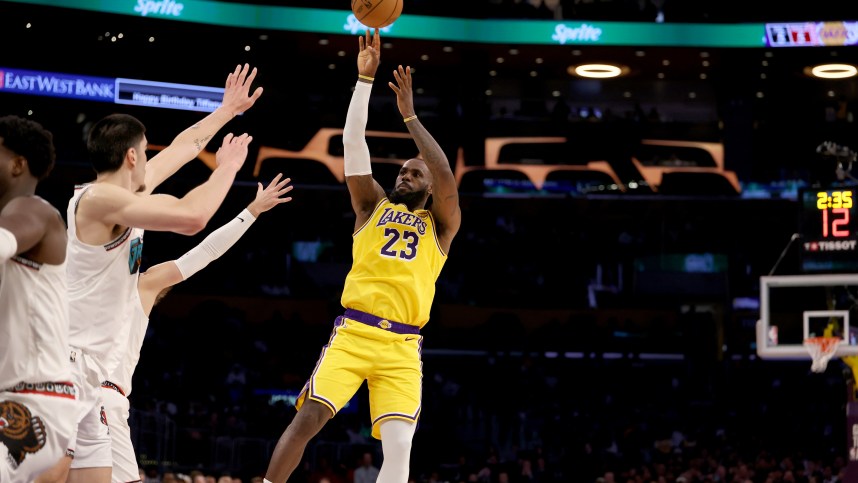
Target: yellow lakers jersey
397,260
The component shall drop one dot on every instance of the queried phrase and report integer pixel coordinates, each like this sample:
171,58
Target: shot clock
829,229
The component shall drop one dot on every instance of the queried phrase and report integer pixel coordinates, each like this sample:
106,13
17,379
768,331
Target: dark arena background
596,319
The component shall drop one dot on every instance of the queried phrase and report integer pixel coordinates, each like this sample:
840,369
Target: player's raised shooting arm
445,192
364,190
365,194
190,142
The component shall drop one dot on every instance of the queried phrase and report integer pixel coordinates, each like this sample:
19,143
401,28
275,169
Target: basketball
377,13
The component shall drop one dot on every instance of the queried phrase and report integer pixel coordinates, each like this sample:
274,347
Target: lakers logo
384,324
20,431
403,218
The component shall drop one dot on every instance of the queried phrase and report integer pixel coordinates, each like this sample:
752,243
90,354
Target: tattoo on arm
438,164
201,143
429,149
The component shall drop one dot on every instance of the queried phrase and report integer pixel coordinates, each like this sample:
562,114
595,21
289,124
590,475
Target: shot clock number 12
839,203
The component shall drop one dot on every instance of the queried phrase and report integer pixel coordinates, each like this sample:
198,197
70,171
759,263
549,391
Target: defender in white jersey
38,403
104,279
152,286
106,220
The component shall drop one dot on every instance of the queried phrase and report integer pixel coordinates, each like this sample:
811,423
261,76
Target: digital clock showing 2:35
828,228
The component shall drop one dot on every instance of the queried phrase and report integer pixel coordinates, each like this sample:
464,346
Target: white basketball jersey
123,360
102,283
34,323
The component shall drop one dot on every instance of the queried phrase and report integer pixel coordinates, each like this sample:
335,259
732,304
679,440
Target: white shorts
116,407
37,422
91,446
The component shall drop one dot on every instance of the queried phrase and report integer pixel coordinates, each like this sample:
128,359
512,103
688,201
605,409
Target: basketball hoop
821,350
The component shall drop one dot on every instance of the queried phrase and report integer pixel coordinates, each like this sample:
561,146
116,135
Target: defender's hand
233,151
270,196
236,97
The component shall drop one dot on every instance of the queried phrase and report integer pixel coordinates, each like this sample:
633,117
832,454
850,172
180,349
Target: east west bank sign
116,90
57,85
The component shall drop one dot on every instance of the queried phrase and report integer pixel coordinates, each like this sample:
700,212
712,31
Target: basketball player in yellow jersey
399,250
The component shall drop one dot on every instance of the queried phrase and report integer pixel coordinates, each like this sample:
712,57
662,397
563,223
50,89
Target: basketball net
821,350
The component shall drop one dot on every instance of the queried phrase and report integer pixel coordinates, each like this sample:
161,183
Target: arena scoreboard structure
829,229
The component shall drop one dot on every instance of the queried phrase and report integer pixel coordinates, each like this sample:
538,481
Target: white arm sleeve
8,245
215,245
356,152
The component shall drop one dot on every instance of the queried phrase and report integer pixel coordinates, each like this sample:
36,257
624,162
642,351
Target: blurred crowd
494,416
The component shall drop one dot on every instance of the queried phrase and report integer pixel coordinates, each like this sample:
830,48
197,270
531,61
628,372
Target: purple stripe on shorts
310,386
411,417
384,324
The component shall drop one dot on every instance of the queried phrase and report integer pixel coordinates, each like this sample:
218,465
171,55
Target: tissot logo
163,7
831,246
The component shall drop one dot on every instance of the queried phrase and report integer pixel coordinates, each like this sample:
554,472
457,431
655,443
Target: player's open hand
271,196
233,151
370,53
236,96
403,90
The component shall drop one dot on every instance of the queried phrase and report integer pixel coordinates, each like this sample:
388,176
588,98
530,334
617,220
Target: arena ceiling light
833,71
597,71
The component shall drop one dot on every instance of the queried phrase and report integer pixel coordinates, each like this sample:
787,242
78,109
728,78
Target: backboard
796,307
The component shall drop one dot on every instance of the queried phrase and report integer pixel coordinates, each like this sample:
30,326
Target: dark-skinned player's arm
364,189
445,193
25,223
190,142
154,282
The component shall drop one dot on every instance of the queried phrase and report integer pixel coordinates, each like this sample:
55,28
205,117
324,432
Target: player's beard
409,198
